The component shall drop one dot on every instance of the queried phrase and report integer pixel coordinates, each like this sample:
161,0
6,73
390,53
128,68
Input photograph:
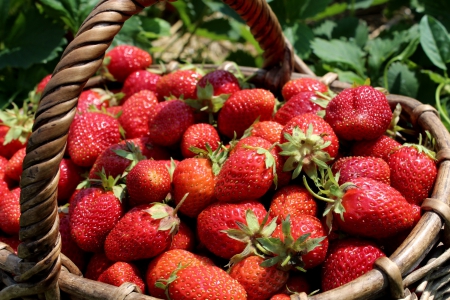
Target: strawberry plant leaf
401,80
300,37
435,41
435,77
325,29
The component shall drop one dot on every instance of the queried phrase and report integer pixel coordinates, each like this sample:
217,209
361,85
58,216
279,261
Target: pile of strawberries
197,185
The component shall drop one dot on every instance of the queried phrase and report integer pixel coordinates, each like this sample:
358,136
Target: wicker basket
40,271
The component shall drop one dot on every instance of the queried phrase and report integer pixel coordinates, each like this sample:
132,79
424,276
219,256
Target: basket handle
39,250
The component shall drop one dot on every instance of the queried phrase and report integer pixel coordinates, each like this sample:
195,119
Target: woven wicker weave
40,271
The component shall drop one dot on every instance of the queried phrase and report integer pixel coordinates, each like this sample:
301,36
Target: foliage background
402,45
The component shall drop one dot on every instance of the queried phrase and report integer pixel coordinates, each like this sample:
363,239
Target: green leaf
349,76
338,51
353,29
300,37
325,29
435,41
332,10
437,78
155,27
401,80
380,50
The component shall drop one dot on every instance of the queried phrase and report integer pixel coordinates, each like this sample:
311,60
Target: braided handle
39,251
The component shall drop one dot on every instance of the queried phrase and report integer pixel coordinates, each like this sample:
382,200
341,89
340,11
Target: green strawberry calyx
217,157
305,151
19,120
426,146
132,153
167,215
164,283
249,233
269,160
287,254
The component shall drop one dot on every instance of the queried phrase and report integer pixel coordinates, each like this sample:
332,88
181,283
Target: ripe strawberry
296,283
143,232
348,259
194,176
309,143
122,60
7,149
292,200
242,109
90,134
180,84
269,130
222,81
214,220
301,103
184,238
69,178
295,86
121,272
198,135
413,172
68,246
168,121
135,113
361,166
203,282
149,149
97,98
259,282
361,113
9,209
97,264
380,147
94,212
148,181
14,166
114,111
166,263
43,83
139,80
280,297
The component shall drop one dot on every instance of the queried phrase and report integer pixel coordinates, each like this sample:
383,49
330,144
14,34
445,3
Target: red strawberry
295,86
149,149
218,217
204,282
121,272
269,130
348,259
361,113
179,84
68,246
143,232
242,109
380,147
43,83
309,143
97,98
259,282
147,182
296,283
280,297
89,135
413,172
69,178
361,166
114,111
292,200
194,176
222,81
135,113
168,121
94,212
139,80
97,265
166,263
184,238
122,60
14,166
8,148
9,209
198,135
301,103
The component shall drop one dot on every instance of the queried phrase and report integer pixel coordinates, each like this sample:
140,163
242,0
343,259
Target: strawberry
43,83
97,264
121,272
166,263
259,282
9,209
214,220
94,212
360,113
202,283
97,98
89,135
413,172
309,143
280,297
269,130
348,259
122,60
135,113
292,200
14,166
148,181
380,147
168,121
296,283
194,176
149,149
139,80
198,135
295,86
301,103
69,178
68,246
145,231
179,84
241,110
184,238
222,81
361,166
7,149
